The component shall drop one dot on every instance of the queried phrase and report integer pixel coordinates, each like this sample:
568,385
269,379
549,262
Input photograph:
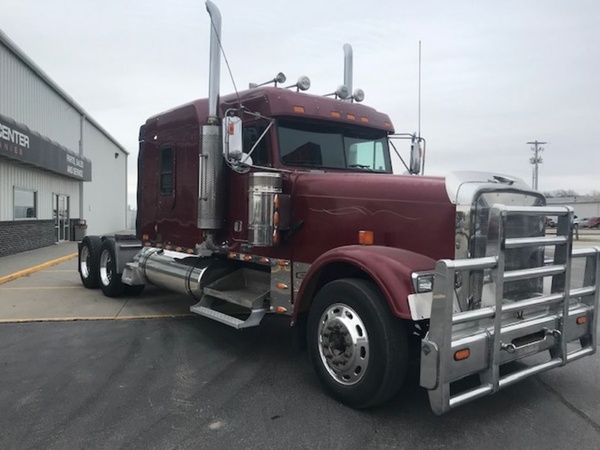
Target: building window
25,202
166,171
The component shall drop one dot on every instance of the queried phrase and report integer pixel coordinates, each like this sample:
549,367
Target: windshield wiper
360,166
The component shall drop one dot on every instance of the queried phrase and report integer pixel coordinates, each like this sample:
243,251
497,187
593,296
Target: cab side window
251,133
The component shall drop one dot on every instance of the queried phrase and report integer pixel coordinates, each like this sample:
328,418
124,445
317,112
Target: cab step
244,287
206,307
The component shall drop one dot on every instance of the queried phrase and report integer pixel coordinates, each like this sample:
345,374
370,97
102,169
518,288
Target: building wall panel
105,197
44,183
27,99
30,98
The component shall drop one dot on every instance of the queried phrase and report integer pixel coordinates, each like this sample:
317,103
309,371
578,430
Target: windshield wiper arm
360,166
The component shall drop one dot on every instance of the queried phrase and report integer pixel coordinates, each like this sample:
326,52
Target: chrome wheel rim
84,261
343,344
105,271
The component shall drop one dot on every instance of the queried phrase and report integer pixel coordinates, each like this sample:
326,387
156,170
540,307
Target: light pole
536,160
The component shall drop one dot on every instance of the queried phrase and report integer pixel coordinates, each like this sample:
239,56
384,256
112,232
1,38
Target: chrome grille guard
560,323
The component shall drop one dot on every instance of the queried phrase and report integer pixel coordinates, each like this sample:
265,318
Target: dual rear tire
89,258
98,268
110,279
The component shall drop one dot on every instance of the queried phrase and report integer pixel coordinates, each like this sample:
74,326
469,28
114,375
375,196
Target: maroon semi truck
275,201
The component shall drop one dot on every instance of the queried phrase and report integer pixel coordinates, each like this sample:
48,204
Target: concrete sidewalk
32,259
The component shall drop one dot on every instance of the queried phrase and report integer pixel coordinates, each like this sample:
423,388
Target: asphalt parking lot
79,370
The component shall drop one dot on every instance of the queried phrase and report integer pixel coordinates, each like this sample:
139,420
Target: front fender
390,269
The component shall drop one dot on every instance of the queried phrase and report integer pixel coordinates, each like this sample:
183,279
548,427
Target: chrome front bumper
545,331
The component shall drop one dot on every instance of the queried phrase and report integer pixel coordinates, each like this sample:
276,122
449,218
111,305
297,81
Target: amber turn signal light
461,355
365,237
581,320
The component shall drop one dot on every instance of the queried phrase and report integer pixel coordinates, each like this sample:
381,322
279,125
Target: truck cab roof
279,102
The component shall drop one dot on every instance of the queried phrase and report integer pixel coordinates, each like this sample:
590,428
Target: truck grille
515,227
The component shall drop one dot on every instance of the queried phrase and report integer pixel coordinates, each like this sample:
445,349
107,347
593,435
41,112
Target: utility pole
536,160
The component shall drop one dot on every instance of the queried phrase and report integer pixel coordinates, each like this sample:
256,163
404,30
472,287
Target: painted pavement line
99,318
25,272
38,288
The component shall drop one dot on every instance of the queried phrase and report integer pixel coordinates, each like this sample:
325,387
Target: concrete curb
25,272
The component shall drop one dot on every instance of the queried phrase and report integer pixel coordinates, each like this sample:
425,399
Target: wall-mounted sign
20,143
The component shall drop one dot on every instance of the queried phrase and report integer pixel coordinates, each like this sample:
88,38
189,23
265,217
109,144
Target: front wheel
110,280
358,349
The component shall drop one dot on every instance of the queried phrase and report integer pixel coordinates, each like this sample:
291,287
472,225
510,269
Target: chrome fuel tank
180,272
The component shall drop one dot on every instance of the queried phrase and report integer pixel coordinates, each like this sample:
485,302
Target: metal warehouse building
57,164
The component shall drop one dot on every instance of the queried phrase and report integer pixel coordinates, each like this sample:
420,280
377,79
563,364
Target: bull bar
480,341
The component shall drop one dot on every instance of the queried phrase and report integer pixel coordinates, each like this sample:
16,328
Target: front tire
110,280
88,261
358,349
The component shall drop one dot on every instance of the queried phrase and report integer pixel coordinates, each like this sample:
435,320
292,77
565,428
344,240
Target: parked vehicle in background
594,222
581,222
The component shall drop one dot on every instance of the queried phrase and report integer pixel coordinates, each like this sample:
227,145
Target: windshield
330,146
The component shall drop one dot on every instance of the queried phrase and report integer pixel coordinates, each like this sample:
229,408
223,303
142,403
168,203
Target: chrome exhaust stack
353,96
348,68
211,176
215,62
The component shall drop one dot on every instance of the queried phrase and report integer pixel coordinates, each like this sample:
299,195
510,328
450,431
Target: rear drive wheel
89,259
358,349
110,280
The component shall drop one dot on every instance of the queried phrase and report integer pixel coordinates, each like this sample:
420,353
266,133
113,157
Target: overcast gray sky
494,74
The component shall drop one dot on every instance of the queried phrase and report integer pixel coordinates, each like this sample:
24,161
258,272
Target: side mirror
416,156
232,138
233,145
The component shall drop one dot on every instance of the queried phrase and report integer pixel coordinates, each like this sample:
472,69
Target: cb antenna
419,89
419,113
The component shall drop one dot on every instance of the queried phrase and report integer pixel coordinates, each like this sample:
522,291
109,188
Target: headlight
422,282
